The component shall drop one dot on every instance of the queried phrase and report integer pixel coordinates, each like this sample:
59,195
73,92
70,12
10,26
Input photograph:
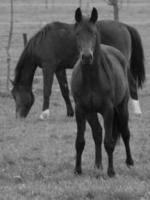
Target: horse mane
28,53
40,35
19,66
48,28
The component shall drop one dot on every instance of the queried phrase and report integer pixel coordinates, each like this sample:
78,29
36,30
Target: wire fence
30,16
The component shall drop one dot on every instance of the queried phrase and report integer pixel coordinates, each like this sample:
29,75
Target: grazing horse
99,85
53,49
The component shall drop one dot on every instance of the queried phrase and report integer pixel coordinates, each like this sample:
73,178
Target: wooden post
25,40
46,4
114,3
80,3
9,44
116,10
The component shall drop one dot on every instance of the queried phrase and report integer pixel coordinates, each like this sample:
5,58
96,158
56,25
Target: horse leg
134,94
108,140
80,141
62,80
48,74
116,132
125,132
97,136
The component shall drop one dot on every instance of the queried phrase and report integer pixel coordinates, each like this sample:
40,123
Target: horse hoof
111,173
77,171
129,163
98,171
98,167
70,113
45,114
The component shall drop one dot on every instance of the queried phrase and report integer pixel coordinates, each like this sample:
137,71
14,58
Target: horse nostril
87,57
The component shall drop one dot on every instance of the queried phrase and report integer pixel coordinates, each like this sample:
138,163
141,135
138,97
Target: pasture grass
37,157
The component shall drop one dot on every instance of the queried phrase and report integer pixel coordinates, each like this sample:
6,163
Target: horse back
115,34
55,44
118,67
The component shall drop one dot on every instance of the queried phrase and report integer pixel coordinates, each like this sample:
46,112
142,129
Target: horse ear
94,15
78,15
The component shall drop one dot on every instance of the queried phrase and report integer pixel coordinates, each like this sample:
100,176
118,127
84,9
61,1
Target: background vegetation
37,157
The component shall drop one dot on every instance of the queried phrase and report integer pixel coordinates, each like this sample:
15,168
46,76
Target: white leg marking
136,107
45,114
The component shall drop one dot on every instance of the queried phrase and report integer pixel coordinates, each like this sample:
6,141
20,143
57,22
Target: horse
99,84
46,50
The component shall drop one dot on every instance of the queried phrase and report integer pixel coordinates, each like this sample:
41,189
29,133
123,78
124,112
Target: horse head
86,35
24,99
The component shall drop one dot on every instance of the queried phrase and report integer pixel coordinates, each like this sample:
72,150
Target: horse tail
116,132
137,57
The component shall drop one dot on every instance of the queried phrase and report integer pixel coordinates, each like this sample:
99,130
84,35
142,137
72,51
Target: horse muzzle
87,59
21,114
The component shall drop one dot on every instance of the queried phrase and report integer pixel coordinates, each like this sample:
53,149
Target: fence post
9,44
25,40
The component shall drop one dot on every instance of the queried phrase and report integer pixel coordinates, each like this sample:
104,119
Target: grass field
37,157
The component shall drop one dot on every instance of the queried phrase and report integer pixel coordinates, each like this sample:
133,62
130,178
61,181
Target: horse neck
97,53
90,74
24,77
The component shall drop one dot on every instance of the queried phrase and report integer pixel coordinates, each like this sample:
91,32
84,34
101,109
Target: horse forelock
85,23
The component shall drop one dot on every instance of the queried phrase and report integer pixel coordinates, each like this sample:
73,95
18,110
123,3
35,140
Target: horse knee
126,135
79,145
109,145
65,90
97,134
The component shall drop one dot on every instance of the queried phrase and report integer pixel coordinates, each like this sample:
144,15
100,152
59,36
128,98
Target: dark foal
99,85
